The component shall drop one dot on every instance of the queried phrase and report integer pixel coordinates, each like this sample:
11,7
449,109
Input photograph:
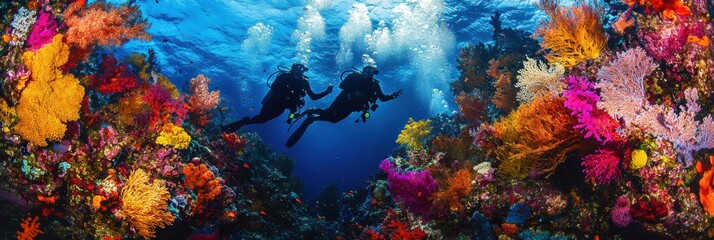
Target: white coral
22,21
536,79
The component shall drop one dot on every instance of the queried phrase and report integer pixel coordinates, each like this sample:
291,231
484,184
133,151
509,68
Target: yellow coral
175,136
414,133
7,113
573,34
639,159
51,98
144,204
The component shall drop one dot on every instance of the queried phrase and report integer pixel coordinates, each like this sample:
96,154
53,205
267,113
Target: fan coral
621,85
145,204
414,134
51,98
458,187
536,137
581,99
175,136
45,28
412,188
536,79
573,34
203,181
601,167
30,229
113,78
103,24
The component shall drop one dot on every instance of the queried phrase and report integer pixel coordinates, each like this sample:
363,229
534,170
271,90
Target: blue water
209,37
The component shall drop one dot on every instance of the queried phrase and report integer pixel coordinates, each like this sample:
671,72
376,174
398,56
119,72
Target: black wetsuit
286,92
357,95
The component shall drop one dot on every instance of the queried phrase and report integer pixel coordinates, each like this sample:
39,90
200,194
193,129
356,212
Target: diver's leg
293,139
267,112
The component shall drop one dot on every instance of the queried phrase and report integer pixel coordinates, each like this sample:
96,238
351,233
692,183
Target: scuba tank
371,102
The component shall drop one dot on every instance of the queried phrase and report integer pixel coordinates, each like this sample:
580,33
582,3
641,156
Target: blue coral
518,214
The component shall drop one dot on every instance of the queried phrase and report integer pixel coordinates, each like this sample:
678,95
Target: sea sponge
172,135
144,204
52,98
414,134
639,159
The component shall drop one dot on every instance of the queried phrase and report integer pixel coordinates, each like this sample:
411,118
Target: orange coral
505,97
52,98
202,180
30,229
703,41
234,141
573,34
705,187
459,186
670,8
536,137
103,24
144,204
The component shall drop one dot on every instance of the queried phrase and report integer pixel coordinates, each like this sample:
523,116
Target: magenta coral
44,30
581,99
412,188
601,167
112,77
621,216
163,106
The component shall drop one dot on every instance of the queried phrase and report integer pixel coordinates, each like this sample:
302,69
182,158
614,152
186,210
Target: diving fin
295,137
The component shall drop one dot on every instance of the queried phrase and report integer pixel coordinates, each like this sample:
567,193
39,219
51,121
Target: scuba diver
287,92
360,92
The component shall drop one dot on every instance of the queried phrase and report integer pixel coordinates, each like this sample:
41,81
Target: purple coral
581,99
621,216
45,28
602,166
412,188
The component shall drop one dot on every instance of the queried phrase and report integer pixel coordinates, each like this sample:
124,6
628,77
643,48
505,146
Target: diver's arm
317,96
383,97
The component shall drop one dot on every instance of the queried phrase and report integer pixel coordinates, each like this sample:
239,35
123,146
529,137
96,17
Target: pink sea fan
43,31
201,99
621,85
412,188
601,167
581,99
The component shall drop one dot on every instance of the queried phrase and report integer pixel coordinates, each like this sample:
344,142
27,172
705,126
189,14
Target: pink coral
412,188
201,99
45,28
163,107
601,167
621,216
581,99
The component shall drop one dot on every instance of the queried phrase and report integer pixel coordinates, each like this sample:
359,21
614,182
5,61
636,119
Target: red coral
473,107
670,7
400,231
234,141
649,211
112,77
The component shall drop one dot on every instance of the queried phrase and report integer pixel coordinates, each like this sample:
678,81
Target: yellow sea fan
145,204
572,34
414,133
175,136
51,99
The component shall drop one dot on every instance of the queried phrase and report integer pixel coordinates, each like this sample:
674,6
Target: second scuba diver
360,92
287,92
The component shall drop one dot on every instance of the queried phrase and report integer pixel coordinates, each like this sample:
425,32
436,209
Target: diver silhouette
287,92
360,92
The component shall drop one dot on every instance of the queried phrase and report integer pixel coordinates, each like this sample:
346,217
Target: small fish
263,213
298,201
419,194
246,166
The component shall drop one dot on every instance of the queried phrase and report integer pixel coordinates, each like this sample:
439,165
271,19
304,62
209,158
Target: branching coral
202,100
581,99
202,181
601,167
144,204
30,229
572,34
536,79
536,137
51,98
175,136
103,24
414,134
458,187
412,188
112,77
